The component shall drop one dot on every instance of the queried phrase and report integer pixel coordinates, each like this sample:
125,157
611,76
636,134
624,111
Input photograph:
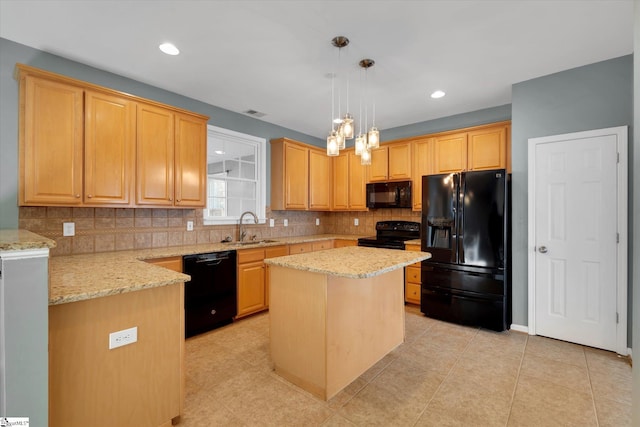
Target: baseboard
519,328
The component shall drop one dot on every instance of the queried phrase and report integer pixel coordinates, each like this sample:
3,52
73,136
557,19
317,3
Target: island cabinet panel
327,330
51,142
109,143
139,384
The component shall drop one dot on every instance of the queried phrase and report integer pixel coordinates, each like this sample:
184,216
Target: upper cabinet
422,165
84,145
390,162
319,180
349,182
484,147
289,175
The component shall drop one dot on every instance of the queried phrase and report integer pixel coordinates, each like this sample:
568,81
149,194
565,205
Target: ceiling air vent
254,113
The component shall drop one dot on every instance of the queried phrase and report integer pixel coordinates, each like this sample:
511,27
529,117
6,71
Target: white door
575,247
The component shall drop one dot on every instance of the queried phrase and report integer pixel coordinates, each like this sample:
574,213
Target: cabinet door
378,170
487,148
341,182
450,153
190,161
251,288
51,143
422,165
109,144
399,161
154,156
296,177
357,183
319,180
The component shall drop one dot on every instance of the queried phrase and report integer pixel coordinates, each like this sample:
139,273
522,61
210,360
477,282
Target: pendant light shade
347,126
373,137
361,141
340,140
332,144
365,157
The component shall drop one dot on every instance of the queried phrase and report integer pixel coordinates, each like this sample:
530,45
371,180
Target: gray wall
12,53
590,97
635,156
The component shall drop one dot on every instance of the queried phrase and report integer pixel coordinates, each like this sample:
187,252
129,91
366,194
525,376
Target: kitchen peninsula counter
81,277
334,313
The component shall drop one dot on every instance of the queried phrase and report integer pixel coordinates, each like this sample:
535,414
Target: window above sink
236,176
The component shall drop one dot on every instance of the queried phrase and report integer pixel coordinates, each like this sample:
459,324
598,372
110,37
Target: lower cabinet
172,263
136,384
341,243
253,290
412,279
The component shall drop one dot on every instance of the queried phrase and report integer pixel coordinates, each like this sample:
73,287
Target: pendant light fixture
341,126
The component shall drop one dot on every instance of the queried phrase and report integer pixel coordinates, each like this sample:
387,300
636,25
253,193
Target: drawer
341,243
322,245
300,248
250,255
412,293
412,275
276,251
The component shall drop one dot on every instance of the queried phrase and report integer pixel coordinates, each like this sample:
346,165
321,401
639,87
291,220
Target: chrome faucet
241,232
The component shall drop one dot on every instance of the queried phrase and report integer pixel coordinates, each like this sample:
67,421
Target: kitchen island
335,313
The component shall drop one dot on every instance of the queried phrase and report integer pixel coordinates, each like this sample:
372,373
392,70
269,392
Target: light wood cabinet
300,248
253,286
289,175
412,279
51,142
172,156
390,162
349,183
84,145
422,165
321,245
172,263
450,153
487,148
319,180
109,149
341,243
137,384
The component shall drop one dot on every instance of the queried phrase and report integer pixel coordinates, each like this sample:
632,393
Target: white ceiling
275,56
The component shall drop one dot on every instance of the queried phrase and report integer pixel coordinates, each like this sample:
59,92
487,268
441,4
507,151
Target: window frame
261,174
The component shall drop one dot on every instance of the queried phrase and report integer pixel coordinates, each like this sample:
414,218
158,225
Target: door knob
542,249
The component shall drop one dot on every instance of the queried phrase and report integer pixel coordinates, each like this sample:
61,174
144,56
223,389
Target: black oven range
392,234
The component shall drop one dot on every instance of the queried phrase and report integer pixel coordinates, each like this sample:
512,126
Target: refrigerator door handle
460,219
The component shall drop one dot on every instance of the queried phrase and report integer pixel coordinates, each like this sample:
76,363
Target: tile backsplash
112,229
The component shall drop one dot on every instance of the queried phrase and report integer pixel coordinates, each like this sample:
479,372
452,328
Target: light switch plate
356,222
68,228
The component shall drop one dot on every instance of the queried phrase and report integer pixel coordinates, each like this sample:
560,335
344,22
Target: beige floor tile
564,374
337,420
615,386
606,362
541,403
612,413
396,397
561,351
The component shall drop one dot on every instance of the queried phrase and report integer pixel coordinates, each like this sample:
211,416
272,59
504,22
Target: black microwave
389,194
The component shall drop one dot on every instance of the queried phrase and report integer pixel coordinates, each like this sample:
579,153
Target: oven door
381,243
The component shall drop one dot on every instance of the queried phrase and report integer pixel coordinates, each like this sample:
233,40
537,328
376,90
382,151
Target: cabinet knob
178,200
77,196
213,312
170,199
89,196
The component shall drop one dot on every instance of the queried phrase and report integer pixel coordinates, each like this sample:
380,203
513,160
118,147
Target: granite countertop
18,240
81,277
354,262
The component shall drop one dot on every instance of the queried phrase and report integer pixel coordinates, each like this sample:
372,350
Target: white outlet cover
272,222
68,228
189,225
123,337
317,221
286,222
356,222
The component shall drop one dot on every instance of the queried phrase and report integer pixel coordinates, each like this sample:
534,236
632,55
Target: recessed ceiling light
437,94
169,49
219,152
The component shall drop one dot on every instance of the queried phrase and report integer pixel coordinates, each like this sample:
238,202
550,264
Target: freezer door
481,219
439,219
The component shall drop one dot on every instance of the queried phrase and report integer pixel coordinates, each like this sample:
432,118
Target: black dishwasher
210,296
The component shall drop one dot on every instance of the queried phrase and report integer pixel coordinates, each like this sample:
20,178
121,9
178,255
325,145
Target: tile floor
443,375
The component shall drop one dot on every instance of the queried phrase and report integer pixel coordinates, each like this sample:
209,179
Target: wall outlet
272,222
286,222
68,228
356,222
123,337
317,221
189,225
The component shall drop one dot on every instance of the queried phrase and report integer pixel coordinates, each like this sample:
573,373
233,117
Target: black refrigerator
466,228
